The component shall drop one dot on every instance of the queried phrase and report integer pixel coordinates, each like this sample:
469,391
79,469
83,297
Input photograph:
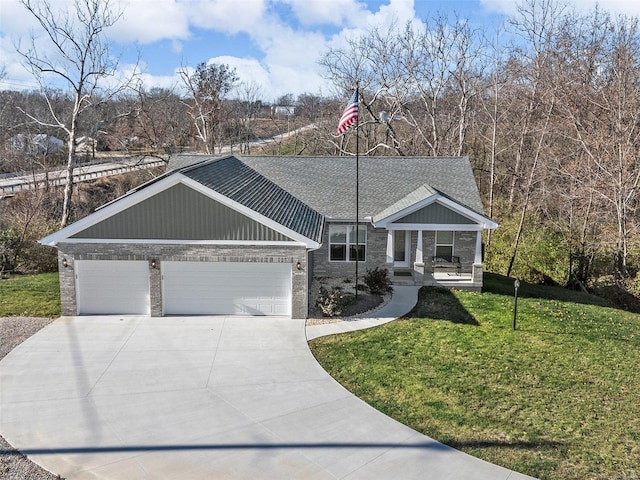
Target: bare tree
493,116
537,23
417,85
207,87
81,59
601,104
161,120
246,106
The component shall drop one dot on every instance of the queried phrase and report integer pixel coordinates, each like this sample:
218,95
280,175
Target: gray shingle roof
239,182
327,184
177,162
422,192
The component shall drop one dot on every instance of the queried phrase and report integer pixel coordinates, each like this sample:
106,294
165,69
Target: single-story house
86,145
35,144
251,234
282,111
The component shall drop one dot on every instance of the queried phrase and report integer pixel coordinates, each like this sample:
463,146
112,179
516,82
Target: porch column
390,247
477,264
418,266
419,257
478,258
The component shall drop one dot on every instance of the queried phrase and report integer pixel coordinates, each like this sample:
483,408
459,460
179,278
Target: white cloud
349,13
289,63
283,53
229,16
323,12
397,10
274,79
506,7
246,68
17,21
626,7
147,21
16,76
17,26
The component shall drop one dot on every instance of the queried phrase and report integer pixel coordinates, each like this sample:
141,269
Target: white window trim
348,242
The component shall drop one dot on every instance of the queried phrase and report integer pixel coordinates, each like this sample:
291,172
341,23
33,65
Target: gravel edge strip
13,464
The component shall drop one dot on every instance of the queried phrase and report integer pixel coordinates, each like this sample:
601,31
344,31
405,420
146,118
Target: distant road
12,183
265,141
15,182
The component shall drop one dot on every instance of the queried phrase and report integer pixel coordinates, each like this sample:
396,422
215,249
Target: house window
342,243
444,245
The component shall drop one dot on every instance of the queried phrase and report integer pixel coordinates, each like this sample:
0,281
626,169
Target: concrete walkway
202,398
403,300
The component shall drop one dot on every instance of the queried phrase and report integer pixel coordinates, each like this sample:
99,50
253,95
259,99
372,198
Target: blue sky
274,44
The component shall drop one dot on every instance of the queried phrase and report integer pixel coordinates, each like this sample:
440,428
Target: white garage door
211,288
112,287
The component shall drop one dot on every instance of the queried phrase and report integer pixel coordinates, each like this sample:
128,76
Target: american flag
350,115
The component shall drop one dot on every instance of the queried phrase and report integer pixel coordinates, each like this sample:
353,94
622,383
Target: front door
401,248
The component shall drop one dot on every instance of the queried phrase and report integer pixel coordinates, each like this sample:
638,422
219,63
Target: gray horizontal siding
435,213
181,213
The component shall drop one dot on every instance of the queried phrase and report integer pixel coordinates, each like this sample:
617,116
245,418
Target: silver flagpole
357,186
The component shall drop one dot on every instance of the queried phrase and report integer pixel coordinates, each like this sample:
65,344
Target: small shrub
333,302
377,281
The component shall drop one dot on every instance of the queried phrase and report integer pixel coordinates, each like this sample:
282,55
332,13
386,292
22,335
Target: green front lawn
557,399
30,296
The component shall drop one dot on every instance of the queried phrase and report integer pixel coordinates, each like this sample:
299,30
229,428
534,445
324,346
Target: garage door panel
110,287
225,288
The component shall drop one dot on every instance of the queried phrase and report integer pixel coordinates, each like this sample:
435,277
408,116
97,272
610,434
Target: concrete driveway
202,398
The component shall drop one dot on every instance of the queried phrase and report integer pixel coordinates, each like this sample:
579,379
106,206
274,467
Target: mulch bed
365,304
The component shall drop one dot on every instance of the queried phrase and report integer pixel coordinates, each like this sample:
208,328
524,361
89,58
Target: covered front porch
434,240
446,258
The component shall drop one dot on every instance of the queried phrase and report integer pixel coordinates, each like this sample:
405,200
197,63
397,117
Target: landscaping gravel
365,306
14,465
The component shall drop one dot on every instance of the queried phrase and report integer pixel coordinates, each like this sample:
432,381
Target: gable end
180,213
435,213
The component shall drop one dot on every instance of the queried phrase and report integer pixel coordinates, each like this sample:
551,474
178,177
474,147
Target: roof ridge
209,159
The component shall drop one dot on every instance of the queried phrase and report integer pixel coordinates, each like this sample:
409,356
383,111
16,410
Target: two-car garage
187,288
226,288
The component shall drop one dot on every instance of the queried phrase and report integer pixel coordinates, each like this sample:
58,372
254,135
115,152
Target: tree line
546,107
154,121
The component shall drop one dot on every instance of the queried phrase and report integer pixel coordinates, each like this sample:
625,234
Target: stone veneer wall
464,246
376,256
180,252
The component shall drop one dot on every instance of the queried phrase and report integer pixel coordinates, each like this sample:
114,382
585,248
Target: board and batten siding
181,213
435,213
